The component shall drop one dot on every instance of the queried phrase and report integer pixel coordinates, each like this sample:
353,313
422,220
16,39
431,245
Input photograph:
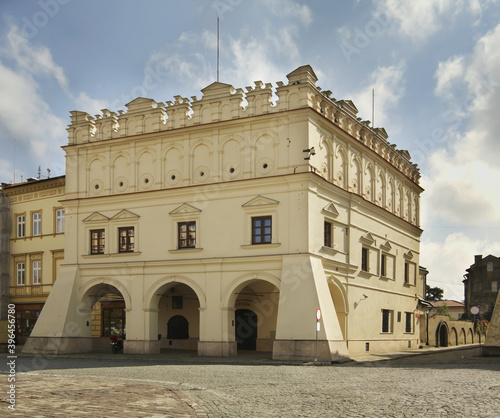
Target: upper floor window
327,241
37,272
97,241
383,265
21,226
187,234
262,230
59,221
37,224
126,239
20,274
364,259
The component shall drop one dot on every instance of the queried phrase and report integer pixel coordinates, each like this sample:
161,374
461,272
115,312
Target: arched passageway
255,306
106,309
442,335
178,325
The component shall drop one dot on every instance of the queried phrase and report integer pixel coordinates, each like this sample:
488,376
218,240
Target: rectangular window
177,302
387,318
126,239
113,321
364,259
262,230
20,274
494,286
21,226
383,265
37,272
187,234
97,241
37,224
407,273
59,221
409,322
26,321
328,235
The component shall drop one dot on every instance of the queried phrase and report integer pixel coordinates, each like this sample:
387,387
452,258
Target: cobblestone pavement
456,383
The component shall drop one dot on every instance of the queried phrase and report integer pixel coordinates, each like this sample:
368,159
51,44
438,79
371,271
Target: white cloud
389,86
289,8
448,73
85,103
419,20
464,178
447,261
261,56
32,59
24,114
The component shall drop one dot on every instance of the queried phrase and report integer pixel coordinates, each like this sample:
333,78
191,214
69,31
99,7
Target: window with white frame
387,320
59,221
37,272
37,224
365,259
408,322
21,226
20,274
328,234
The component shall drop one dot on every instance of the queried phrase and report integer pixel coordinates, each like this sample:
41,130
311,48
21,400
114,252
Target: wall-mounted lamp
311,151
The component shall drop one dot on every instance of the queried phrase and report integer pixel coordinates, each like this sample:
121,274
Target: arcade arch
252,305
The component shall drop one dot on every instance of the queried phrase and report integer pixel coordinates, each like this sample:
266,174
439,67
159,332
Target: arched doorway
106,307
252,304
245,322
178,316
177,328
442,335
339,303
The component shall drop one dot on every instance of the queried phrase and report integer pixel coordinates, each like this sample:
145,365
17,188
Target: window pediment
184,209
331,210
386,246
96,217
367,239
259,201
408,255
125,214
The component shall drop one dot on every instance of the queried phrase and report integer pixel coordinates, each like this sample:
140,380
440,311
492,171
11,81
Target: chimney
478,258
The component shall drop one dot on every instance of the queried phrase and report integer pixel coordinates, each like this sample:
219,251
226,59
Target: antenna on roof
217,47
14,161
373,108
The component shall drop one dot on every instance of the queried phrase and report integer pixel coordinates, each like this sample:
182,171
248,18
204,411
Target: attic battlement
222,102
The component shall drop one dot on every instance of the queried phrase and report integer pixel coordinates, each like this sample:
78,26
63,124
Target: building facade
35,235
224,223
481,283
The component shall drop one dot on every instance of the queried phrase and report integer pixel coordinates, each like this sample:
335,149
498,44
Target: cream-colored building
225,223
36,247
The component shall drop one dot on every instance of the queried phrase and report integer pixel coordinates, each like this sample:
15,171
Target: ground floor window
113,320
387,320
409,322
26,319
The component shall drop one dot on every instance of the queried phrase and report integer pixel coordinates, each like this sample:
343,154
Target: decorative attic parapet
222,102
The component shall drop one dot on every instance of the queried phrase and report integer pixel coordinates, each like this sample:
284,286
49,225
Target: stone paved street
451,383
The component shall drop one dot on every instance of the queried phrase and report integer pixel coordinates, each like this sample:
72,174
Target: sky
432,65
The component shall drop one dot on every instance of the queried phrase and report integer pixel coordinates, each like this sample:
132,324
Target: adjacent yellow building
224,223
36,246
